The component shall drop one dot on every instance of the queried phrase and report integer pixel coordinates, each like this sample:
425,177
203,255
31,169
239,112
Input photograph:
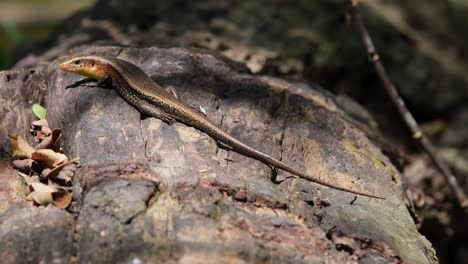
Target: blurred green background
27,21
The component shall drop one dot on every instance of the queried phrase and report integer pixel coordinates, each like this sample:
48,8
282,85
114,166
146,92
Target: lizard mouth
63,67
82,66
68,66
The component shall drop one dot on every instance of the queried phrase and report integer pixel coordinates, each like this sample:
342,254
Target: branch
417,134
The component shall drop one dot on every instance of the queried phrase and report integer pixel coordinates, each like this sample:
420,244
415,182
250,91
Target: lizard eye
77,62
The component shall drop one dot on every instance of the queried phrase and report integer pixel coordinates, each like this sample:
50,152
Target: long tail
245,150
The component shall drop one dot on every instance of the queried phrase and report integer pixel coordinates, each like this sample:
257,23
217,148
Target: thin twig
417,134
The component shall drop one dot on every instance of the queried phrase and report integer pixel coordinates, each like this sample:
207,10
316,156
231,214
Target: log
148,192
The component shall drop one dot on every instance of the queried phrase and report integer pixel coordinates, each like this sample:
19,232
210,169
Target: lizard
139,90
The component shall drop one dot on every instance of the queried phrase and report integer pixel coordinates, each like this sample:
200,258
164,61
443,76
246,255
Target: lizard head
88,66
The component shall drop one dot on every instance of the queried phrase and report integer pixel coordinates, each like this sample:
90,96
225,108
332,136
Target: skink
142,92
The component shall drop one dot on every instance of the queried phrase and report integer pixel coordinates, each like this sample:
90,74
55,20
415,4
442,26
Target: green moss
220,209
351,148
22,189
377,162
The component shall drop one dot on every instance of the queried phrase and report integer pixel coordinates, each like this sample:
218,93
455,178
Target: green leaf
39,111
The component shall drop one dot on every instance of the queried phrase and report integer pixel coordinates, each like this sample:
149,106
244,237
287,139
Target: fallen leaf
41,187
40,198
24,165
31,179
38,136
28,180
43,194
21,148
49,157
62,199
38,124
45,172
64,172
40,193
51,141
40,130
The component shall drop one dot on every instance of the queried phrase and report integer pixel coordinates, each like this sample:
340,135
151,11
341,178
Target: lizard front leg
103,82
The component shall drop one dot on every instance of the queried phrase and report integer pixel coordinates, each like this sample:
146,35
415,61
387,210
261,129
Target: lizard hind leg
173,92
223,145
149,110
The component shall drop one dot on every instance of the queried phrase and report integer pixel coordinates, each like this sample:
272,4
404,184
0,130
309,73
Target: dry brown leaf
38,136
40,198
40,193
64,172
28,180
49,157
52,183
45,172
51,141
24,165
43,194
21,148
46,130
40,125
40,129
31,179
37,125
40,187
62,199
